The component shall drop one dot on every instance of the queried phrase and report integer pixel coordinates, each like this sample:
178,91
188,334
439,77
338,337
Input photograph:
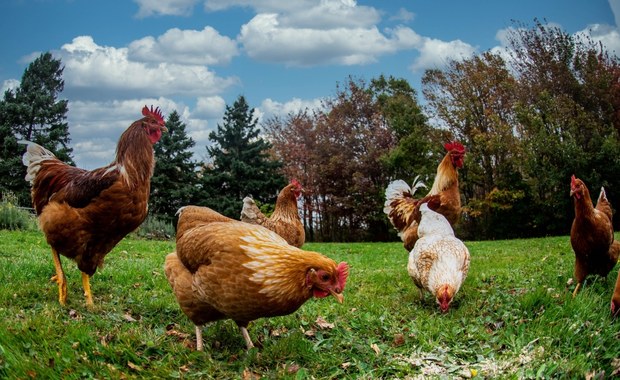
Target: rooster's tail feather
32,158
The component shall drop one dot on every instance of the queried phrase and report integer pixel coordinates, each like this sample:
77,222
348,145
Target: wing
59,182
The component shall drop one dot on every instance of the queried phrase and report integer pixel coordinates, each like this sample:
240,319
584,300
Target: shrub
156,227
14,218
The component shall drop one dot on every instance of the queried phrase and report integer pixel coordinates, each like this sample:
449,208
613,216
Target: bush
156,227
14,218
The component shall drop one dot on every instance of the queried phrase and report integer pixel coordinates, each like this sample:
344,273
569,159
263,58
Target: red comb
454,145
295,182
154,113
572,180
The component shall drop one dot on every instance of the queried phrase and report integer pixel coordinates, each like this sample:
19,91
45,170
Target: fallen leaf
375,348
322,323
135,367
345,365
129,318
249,375
399,340
293,368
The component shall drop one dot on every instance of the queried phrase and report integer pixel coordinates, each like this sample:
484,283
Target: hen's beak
163,128
338,296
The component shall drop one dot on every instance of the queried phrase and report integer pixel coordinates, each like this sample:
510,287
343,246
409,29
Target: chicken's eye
325,277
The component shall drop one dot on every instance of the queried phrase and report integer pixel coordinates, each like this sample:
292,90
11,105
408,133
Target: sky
199,56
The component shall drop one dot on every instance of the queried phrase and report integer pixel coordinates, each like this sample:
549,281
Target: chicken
615,298
84,214
439,262
592,234
227,269
285,219
402,208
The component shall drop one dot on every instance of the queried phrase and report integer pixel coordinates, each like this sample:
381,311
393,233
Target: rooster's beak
338,296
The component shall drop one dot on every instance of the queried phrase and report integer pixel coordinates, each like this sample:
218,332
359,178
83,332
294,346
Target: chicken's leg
199,338
576,289
246,336
87,293
60,278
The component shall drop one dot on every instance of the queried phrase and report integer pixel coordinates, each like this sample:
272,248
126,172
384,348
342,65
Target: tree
33,112
475,99
174,180
242,164
566,114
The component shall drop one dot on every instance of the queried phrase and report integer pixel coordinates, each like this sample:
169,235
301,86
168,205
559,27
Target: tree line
531,117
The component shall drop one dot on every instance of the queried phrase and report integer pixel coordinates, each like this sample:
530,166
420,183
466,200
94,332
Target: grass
513,318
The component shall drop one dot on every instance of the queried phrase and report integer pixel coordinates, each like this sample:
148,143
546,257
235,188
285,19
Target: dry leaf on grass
322,323
249,375
375,348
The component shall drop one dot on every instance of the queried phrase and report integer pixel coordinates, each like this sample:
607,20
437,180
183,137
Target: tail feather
32,158
398,190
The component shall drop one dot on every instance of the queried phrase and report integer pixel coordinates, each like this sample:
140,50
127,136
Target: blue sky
197,56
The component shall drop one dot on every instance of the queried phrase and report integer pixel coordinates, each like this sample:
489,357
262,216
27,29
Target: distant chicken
439,262
615,298
84,214
285,219
402,208
227,269
592,234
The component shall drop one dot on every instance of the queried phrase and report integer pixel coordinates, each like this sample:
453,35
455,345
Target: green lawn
513,318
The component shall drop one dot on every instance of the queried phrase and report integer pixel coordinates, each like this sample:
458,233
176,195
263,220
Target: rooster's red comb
295,182
454,145
154,113
572,180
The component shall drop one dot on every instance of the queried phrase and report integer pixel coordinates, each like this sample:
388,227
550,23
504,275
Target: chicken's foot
246,336
87,293
60,279
199,345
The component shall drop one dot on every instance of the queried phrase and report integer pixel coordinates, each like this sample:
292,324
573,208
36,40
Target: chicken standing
439,262
227,269
285,219
591,234
84,214
402,208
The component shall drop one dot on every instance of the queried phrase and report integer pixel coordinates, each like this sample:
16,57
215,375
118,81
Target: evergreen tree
33,112
241,163
174,180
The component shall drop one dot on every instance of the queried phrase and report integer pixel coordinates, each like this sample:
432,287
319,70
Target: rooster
84,214
227,269
592,234
402,208
439,262
285,219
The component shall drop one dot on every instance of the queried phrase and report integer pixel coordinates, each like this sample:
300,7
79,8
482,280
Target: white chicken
438,262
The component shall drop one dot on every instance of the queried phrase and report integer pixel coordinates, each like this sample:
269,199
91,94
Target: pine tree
241,163
174,180
33,112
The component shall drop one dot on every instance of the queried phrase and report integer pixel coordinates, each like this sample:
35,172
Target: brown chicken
84,214
402,208
227,269
615,298
285,219
592,234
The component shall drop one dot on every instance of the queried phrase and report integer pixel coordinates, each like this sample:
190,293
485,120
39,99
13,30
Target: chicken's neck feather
134,155
446,176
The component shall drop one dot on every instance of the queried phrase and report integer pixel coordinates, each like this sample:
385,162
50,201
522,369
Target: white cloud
269,107
607,35
204,47
615,9
436,53
403,15
149,8
94,70
265,39
209,107
9,84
